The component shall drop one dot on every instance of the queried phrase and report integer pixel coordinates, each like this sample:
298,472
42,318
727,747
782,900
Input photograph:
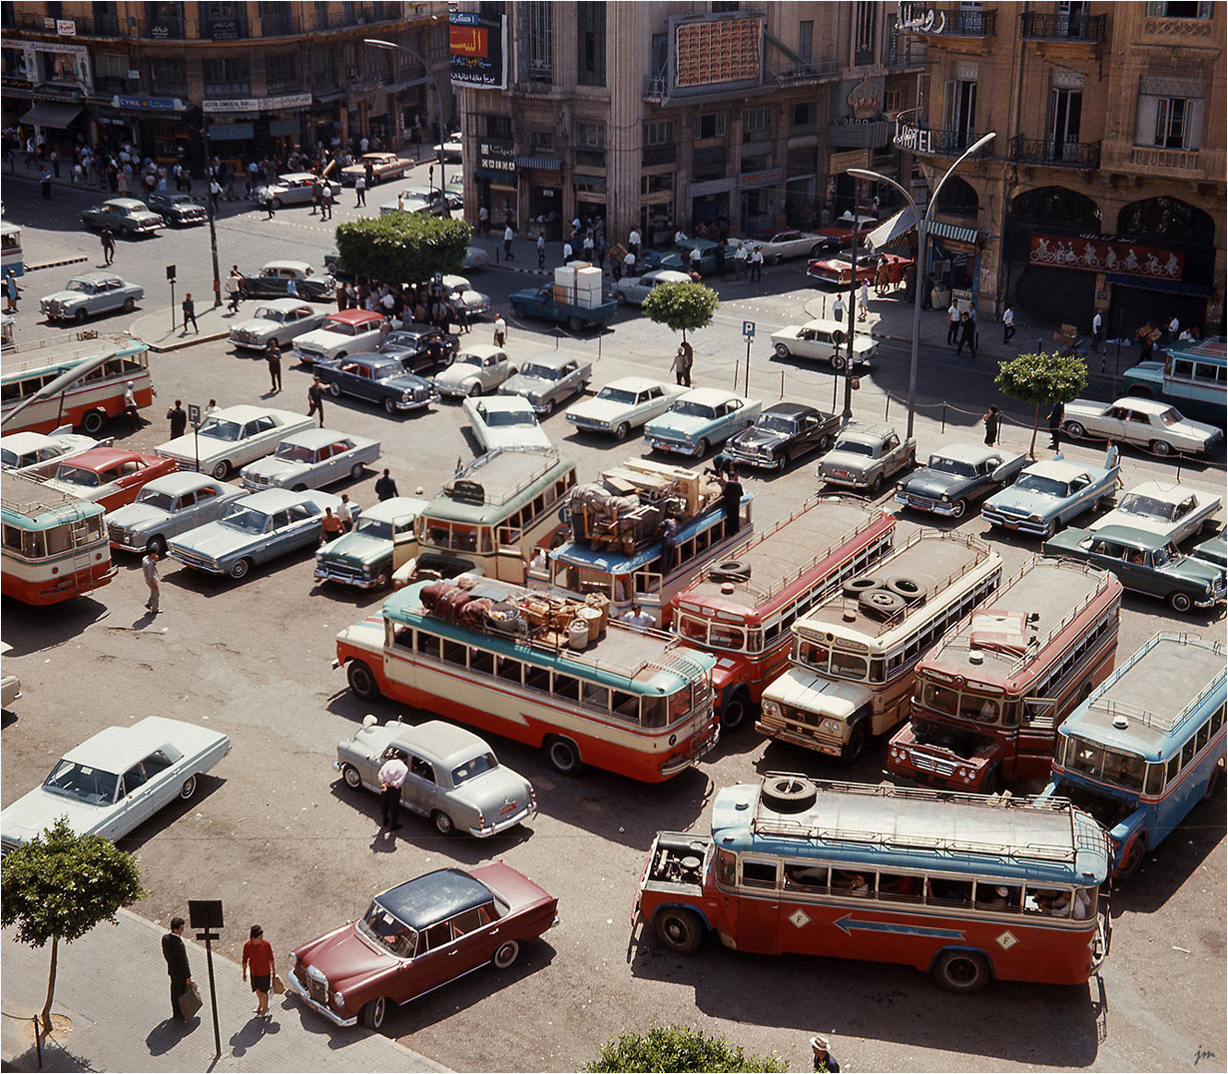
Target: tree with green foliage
1042,379
59,885
401,248
682,307
679,1048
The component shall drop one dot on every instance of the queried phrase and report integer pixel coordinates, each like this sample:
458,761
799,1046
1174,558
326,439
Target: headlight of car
1037,519
945,498
339,999
293,960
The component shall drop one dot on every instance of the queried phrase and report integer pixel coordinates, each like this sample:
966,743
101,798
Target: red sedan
838,270
417,937
109,476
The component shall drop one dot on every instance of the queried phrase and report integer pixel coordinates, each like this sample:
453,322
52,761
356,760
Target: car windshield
1042,486
776,423
295,453
246,520
11,458
153,498
84,286
267,313
74,475
388,931
1170,417
541,372
82,782
483,762
951,466
510,417
694,410
387,372
617,395
222,429
467,358
855,447
403,339
1164,555
1134,504
374,528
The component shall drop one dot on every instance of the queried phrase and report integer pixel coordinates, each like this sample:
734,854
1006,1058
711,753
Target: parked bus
54,545
1148,745
616,548
853,656
540,669
10,249
490,518
970,888
1192,377
86,404
743,610
989,697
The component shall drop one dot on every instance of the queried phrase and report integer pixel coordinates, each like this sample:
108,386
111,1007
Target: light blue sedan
257,528
700,418
1050,494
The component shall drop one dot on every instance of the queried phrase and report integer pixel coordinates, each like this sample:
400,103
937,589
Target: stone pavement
111,1010
154,326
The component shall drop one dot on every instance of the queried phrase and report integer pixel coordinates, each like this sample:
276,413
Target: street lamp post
392,46
923,227
211,211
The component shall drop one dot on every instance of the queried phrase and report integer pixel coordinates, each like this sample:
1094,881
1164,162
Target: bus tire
1132,860
789,794
902,586
563,755
361,680
882,601
856,743
681,931
992,781
93,421
736,709
962,971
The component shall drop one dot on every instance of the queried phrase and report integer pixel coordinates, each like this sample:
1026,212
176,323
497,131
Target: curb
57,264
177,344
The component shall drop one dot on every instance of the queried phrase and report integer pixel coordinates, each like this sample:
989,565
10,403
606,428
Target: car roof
1058,469
283,262
968,452
867,428
1137,402
246,412
286,304
669,275
370,358
554,359
445,741
127,203
355,316
789,410
1129,535
634,384
315,438
181,481
502,402
484,349
427,900
101,457
708,395
826,323
95,277
287,176
116,749
1164,491
395,507
271,500
26,441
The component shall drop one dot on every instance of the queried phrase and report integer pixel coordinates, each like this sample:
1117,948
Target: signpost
206,915
748,330
170,275
194,418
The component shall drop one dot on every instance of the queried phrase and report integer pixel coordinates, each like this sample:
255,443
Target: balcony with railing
856,134
1149,160
1049,153
1074,28
938,141
947,22
804,72
905,52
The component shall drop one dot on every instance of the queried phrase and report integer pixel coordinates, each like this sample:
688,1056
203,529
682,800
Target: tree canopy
682,307
402,247
1042,379
679,1048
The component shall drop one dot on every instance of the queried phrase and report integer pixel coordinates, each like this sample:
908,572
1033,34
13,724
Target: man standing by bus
149,568
731,497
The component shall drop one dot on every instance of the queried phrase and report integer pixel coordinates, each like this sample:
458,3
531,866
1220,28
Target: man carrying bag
185,999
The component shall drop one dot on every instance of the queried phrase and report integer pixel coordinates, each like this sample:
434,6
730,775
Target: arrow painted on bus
846,924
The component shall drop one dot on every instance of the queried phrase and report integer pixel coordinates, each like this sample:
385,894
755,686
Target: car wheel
340,354
1075,429
361,681
373,1013
93,422
780,461
959,508
1162,448
782,351
221,470
620,297
389,406
1180,602
383,578
474,391
334,390
240,568
356,471
876,486
1132,862
962,971
547,408
79,317
839,363
443,823
679,930
623,431
351,775
701,448
188,789
276,203
129,304
564,756
825,443
575,324
157,543
505,955
734,714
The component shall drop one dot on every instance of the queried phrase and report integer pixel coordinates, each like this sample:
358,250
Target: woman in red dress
258,953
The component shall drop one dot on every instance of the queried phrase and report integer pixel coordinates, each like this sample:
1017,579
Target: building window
281,73
659,61
1169,122
805,39
498,126
163,18
893,100
660,146
590,135
168,76
865,31
276,18
13,64
590,43
803,116
321,15
59,67
226,77
106,21
110,73
223,20
959,111
757,124
720,7
1180,9
539,41
709,164
542,141
322,71
712,126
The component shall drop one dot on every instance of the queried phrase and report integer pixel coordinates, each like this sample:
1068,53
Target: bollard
887,407
599,338
38,1040
736,367
782,384
944,417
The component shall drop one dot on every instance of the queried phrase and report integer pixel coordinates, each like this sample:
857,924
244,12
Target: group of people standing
259,963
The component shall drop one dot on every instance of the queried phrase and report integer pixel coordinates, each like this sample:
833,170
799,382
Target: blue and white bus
1147,745
1192,377
11,256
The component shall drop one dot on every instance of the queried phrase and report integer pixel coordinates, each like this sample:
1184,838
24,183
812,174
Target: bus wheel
1133,860
361,681
681,931
992,781
789,794
564,756
733,715
856,743
93,421
962,971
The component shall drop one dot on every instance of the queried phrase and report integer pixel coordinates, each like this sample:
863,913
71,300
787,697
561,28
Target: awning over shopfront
553,164
953,231
891,230
1172,287
51,114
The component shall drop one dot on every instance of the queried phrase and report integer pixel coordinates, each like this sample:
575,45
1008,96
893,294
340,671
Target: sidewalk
112,988
154,326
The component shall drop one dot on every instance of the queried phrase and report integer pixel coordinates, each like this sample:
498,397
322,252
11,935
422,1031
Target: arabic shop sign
477,50
920,19
1099,255
496,155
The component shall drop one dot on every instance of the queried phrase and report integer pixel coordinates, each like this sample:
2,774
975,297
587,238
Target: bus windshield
968,705
1121,769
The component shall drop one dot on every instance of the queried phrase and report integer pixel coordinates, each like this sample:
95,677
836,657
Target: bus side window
507,668
427,644
482,661
403,636
1187,752
990,896
898,886
12,538
566,686
1217,719
943,890
537,678
454,652
850,882
805,877
1155,778
758,874
726,867
597,697
654,712
627,706
1174,766
1204,733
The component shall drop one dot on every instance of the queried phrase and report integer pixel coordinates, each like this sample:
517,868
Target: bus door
509,555
78,536
759,907
1037,730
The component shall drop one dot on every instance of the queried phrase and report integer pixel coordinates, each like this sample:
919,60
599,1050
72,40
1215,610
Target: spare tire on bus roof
882,601
789,794
908,588
730,570
856,586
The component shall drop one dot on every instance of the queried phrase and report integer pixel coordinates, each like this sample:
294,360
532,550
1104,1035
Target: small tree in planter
1042,379
678,1048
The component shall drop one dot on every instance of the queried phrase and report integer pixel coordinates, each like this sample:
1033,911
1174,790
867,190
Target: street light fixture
923,226
392,46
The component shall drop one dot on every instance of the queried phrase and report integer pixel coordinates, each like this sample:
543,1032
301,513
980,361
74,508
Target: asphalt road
276,835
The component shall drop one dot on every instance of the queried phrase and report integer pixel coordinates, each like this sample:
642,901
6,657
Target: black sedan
378,378
273,281
177,209
421,347
957,475
782,433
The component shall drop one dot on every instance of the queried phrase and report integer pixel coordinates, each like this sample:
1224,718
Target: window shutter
1145,132
1193,123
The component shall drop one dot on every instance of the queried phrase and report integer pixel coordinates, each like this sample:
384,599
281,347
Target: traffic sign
194,414
748,329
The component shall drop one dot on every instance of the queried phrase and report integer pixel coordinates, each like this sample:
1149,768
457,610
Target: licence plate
508,809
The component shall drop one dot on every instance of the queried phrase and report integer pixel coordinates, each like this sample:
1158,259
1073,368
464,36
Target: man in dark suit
176,955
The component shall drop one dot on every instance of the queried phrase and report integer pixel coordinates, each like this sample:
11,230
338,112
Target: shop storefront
657,213
841,187
590,197
759,197
802,187
541,180
246,129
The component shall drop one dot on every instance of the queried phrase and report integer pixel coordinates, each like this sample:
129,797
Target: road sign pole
748,330
206,915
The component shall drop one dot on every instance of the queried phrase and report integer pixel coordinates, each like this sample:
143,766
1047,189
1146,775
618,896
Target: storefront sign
497,155
1092,255
65,28
478,50
224,29
161,33
766,177
148,104
257,104
851,158
919,19
231,132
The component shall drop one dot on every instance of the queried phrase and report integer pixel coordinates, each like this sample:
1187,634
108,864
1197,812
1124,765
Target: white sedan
36,453
623,405
117,780
232,437
1156,426
1170,510
634,289
505,421
311,459
280,320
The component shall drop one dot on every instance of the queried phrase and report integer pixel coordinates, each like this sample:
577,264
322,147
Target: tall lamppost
392,46
211,211
923,227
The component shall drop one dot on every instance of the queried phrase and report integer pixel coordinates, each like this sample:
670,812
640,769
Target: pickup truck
539,302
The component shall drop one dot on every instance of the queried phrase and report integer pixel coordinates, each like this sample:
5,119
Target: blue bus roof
20,368
31,505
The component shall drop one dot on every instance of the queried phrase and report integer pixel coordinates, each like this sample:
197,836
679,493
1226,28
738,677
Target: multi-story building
675,113
1105,186
265,76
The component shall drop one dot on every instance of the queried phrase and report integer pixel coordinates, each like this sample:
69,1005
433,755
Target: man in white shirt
837,308
508,235
952,323
500,331
863,301
568,253
633,242
1008,323
756,263
346,513
1097,331
629,263
1174,327
638,618
679,236
696,258
391,778
739,258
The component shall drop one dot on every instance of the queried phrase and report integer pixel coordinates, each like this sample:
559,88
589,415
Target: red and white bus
989,697
540,669
743,608
54,546
970,888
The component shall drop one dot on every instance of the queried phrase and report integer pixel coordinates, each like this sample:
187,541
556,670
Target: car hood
135,516
215,541
66,297
680,424
356,548
516,436
804,689
345,958
601,409
1024,501
846,460
757,437
325,339
36,811
184,447
275,469
934,483
522,385
255,324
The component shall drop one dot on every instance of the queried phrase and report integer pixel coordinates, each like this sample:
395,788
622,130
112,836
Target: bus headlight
770,708
831,727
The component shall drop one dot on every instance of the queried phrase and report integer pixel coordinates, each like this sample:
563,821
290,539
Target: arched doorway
1037,222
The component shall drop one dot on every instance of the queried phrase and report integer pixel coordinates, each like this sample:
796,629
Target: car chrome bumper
326,574
851,481
589,426
416,404
924,503
748,459
293,982
504,823
678,447
1009,522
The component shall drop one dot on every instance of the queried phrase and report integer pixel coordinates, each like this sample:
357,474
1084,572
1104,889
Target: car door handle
494,932
453,953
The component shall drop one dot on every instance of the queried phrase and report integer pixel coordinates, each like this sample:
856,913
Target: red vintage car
109,476
419,936
838,270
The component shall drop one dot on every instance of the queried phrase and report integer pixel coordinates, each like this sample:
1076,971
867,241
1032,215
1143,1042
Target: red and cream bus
989,697
853,656
743,608
540,669
970,888
54,547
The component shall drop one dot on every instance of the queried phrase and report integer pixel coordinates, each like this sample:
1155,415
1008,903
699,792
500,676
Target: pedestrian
107,238
55,162
508,235
273,357
991,419
731,499
967,334
1112,456
756,263
837,309
258,954
637,618
1056,413
720,258
210,410
391,777
1008,323
315,400
500,331
385,487
567,252
881,279
215,192
633,242
681,366
462,317
331,526
346,513
46,186
11,291
149,568
176,955
669,545
178,419
189,314
130,405
740,256
823,1059
1174,328
268,207
326,201
629,264
483,220
1097,331
291,287
863,301
234,288
953,318
360,191
697,257
315,198
541,250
